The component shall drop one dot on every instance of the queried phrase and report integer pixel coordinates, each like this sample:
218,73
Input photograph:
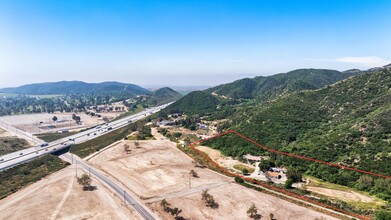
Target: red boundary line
288,154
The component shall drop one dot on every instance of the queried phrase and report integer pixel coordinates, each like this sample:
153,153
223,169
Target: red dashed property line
276,188
309,158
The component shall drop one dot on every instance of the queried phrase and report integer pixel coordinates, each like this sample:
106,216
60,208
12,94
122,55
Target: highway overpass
22,156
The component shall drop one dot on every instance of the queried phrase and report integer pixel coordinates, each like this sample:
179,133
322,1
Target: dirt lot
153,169
58,196
157,170
38,123
226,162
354,196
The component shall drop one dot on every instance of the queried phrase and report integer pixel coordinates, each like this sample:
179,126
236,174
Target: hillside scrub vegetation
346,123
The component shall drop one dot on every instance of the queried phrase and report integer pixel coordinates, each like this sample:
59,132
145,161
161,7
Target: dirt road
58,196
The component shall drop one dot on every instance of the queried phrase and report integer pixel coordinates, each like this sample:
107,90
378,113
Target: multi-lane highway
22,156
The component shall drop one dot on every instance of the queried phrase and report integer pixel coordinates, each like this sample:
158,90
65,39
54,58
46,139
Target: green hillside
348,123
164,95
274,86
197,102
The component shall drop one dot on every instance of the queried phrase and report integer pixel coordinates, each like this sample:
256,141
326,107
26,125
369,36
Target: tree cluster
208,200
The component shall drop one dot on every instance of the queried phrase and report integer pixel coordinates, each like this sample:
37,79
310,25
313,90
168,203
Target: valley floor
157,170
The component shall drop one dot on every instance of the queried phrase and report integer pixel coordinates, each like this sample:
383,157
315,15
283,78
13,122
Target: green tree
245,171
252,212
383,215
364,182
238,179
294,175
54,118
85,180
175,211
194,173
192,127
208,199
126,148
288,184
264,165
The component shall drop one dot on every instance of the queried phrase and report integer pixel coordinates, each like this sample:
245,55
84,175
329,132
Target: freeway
144,213
22,156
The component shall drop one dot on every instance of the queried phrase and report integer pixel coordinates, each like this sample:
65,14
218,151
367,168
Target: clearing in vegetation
224,170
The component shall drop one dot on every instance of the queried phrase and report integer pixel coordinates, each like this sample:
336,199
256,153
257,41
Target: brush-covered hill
348,119
265,88
348,123
197,102
76,87
164,95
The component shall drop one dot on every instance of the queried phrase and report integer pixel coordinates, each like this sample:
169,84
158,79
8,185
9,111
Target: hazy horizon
186,43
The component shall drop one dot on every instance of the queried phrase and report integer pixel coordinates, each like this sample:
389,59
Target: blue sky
187,42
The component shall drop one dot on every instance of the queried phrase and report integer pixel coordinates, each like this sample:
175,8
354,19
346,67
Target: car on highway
2,159
109,128
44,144
98,127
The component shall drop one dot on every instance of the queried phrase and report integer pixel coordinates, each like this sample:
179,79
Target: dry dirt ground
157,170
342,195
59,196
4,133
31,122
226,162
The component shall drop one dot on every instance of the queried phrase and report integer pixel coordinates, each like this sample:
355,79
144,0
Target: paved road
18,157
115,187
20,133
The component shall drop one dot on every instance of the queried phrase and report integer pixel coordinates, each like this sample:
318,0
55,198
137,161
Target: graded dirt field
346,196
226,162
59,196
38,123
156,169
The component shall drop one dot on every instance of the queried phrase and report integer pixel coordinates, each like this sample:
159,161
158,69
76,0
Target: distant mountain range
259,88
76,87
276,85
